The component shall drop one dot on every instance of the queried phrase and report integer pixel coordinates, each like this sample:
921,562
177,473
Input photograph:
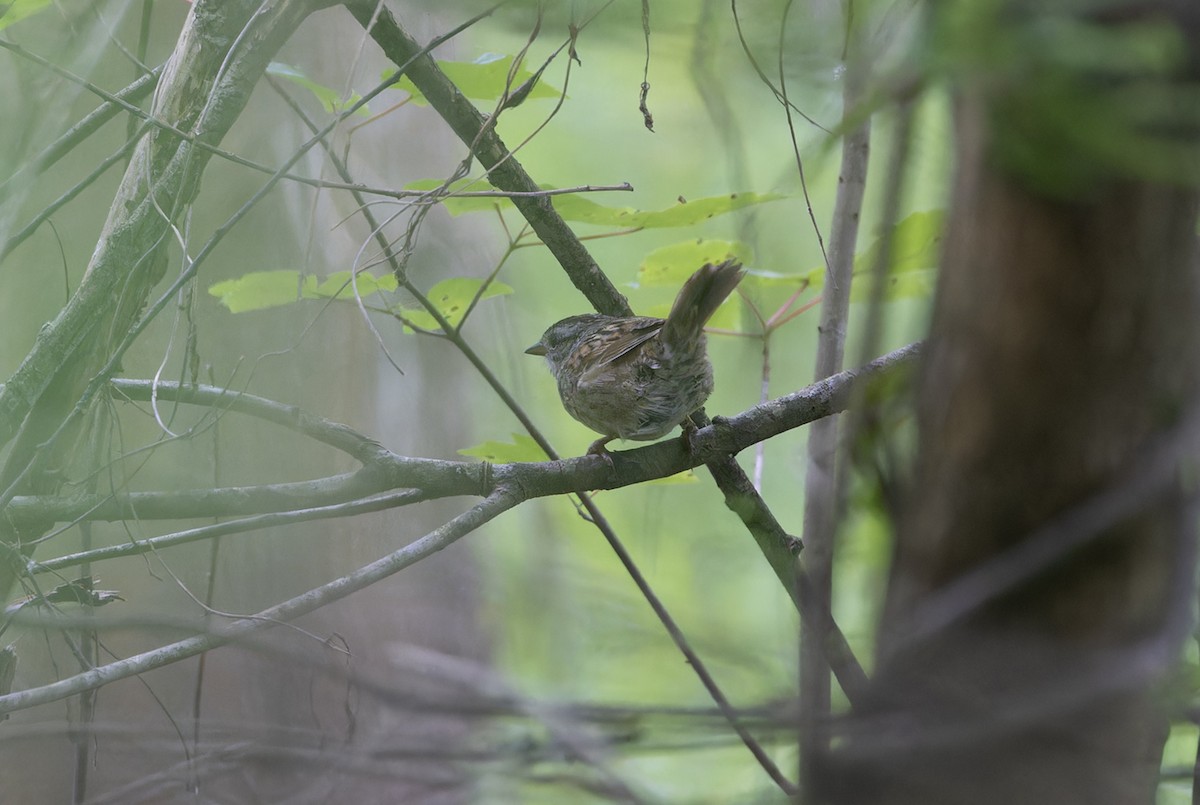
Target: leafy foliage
484,79
575,207
453,298
17,10
330,98
260,290
521,448
912,267
685,213
672,264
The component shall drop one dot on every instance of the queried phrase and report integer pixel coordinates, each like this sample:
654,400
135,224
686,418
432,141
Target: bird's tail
699,299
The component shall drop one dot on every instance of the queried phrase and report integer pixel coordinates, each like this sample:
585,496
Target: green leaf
522,448
457,205
916,245
687,213
770,291
338,285
685,477
18,10
331,99
727,317
773,279
578,207
916,250
909,285
671,265
452,297
260,290
484,79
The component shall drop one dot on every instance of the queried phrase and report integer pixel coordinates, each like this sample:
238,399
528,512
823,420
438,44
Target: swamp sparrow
635,377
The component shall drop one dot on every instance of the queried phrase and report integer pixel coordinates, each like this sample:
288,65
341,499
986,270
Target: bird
637,377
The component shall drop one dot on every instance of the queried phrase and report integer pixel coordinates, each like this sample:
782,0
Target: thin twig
288,610
701,670
84,129
821,490
46,212
242,525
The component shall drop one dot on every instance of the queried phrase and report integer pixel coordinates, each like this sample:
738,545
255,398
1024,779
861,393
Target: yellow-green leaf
330,98
912,272
260,290
916,250
484,79
456,205
916,245
17,10
727,317
671,265
685,477
774,279
581,208
338,285
452,297
576,207
522,448
909,285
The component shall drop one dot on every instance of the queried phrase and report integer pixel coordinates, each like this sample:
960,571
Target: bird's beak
537,349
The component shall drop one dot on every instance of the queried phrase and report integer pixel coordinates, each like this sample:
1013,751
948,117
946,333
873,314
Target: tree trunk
1042,576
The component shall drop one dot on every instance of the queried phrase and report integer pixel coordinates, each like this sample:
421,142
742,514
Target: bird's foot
689,435
599,447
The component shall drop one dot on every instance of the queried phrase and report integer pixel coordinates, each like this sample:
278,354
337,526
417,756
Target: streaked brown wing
618,338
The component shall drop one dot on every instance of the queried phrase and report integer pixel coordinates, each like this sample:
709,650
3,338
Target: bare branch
505,172
243,628
311,513
821,480
385,471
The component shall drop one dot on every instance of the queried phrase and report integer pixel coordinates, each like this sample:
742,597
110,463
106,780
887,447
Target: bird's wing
620,338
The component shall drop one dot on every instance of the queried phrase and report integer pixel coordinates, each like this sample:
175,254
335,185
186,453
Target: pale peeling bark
219,57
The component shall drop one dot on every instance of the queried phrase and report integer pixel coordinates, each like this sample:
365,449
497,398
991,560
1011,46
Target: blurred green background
537,596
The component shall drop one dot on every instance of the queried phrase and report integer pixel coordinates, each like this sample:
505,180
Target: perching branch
384,471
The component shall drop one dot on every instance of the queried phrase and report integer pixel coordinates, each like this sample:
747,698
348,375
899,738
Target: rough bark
1042,574
218,59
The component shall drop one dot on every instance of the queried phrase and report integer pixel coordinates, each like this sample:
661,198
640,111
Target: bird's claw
599,448
689,435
